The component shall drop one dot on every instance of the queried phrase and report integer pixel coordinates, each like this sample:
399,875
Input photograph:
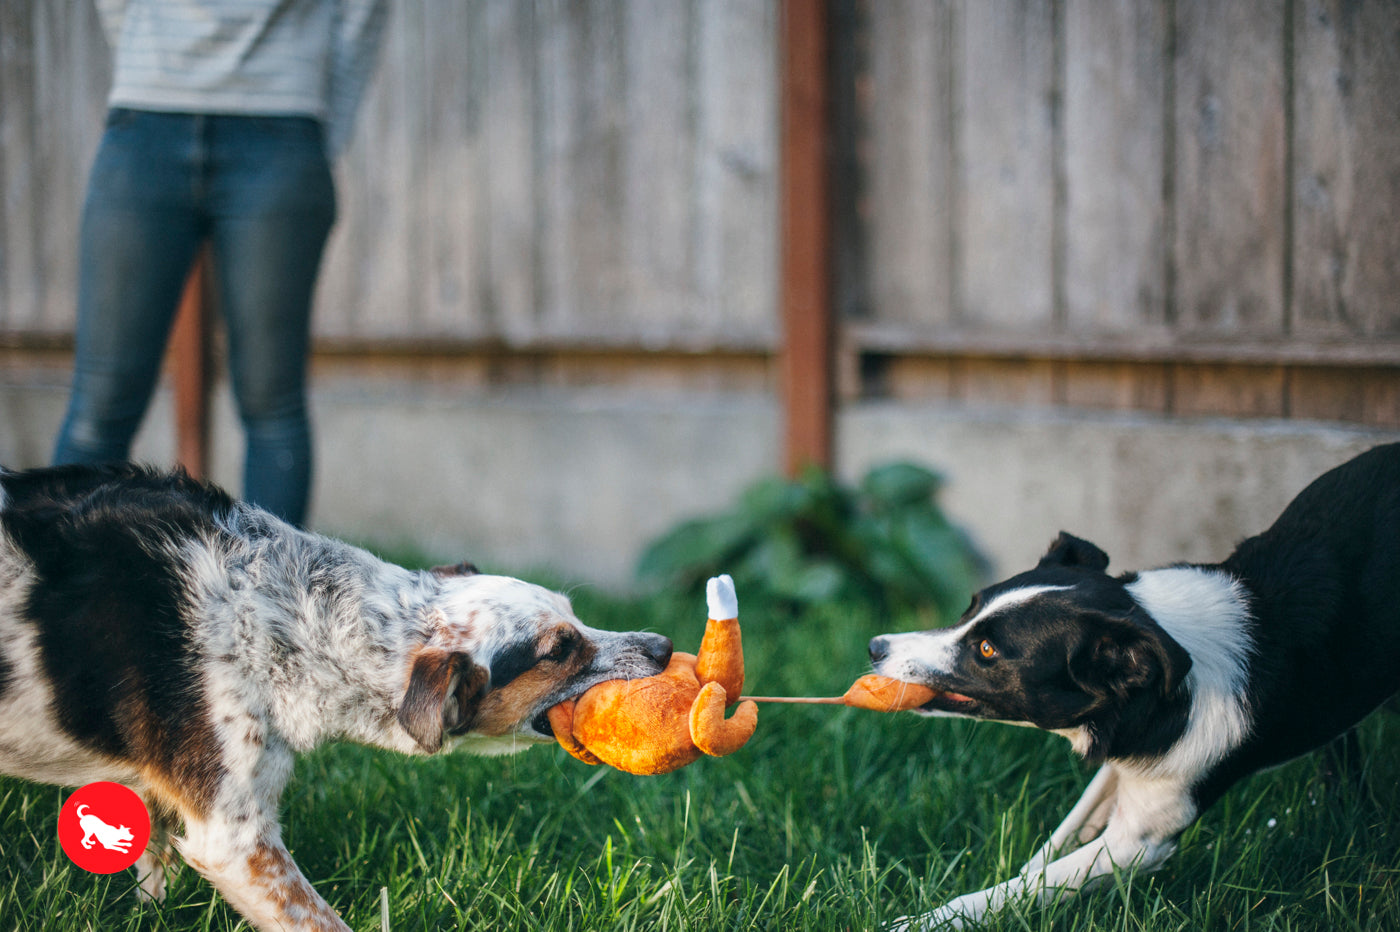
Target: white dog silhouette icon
112,837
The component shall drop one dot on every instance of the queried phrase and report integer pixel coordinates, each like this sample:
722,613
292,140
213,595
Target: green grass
828,819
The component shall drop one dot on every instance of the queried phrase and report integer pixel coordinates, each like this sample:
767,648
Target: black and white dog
1180,680
156,633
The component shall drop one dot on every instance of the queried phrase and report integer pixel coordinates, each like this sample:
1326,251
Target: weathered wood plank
1229,185
56,73
1325,394
1115,87
1358,396
585,258
1228,391
737,147
1005,381
660,172
1115,385
371,277
512,160
1004,275
55,215
914,379
448,194
1143,346
1346,190
19,281
1380,398
911,170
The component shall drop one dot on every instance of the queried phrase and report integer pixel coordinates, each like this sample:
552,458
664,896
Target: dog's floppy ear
1068,550
465,568
444,690
1123,653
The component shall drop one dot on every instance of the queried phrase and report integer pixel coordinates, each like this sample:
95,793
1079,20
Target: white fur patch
936,651
1010,598
508,611
1207,612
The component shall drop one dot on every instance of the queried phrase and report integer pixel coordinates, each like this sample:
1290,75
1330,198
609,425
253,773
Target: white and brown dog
156,633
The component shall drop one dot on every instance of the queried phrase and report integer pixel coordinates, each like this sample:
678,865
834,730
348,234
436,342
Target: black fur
513,661
1324,583
106,605
1070,551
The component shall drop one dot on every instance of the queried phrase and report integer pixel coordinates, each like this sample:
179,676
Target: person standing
222,121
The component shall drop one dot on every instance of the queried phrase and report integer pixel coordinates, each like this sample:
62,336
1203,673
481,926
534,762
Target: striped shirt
265,57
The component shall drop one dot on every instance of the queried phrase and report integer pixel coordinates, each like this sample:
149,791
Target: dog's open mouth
540,724
946,701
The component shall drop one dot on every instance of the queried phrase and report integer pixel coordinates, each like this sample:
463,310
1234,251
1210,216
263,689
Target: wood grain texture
911,170
1125,191
1228,391
602,170
1115,386
1230,142
1346,185
54,75
1115,223
1005,165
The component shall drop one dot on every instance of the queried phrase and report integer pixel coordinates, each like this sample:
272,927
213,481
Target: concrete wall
578,481
575,481
1148,490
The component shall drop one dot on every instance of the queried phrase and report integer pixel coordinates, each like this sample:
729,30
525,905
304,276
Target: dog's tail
81,807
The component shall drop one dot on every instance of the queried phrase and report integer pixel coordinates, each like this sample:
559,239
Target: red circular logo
104,827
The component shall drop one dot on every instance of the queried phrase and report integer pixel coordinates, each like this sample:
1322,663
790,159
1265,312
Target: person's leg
138,237
273,204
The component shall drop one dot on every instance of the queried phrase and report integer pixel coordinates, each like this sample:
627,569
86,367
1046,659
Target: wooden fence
1177,205
1183,206
547,172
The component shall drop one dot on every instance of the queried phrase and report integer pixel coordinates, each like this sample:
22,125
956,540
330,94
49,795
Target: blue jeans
259,190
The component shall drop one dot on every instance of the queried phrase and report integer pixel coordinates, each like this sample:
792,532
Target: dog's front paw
955,914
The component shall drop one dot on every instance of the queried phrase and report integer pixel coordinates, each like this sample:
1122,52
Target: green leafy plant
812,540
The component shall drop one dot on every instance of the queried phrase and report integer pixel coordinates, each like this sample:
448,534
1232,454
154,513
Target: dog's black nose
879,649
658,648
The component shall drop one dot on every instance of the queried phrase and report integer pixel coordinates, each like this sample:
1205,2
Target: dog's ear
465,568
1123,653
444,690
1068,550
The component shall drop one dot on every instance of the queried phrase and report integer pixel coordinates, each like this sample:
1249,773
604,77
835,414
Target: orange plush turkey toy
663,722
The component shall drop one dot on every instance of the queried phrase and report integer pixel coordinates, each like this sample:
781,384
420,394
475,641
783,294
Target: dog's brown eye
561,650
987,649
